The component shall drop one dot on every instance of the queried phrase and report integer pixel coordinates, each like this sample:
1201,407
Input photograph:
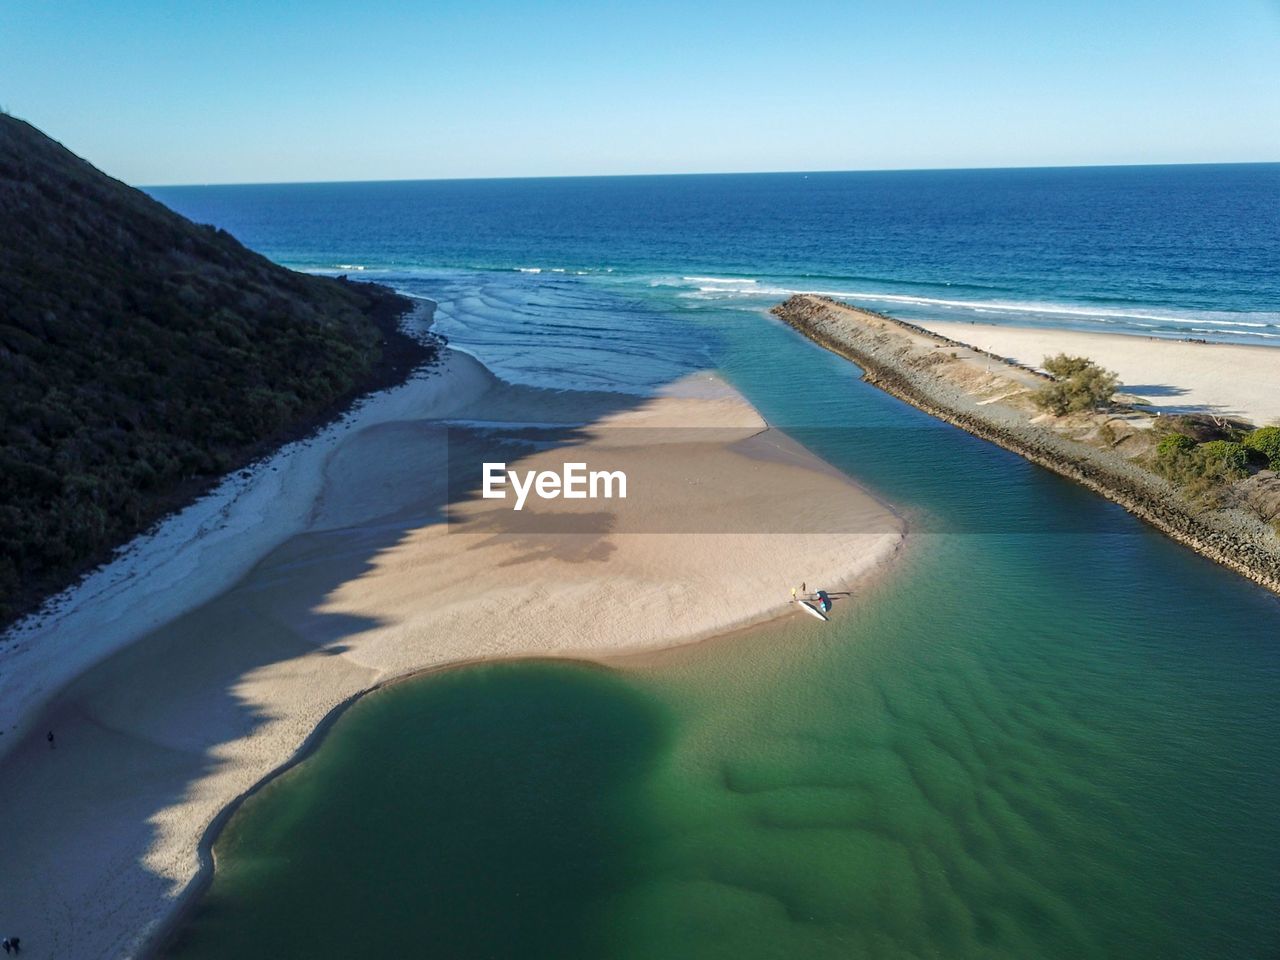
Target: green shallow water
1044,732
919,781
473,813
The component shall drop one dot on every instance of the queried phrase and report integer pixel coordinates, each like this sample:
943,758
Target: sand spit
980,392
1174,376
378,562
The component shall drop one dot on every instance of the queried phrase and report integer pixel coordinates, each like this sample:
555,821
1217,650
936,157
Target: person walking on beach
50,739
8,945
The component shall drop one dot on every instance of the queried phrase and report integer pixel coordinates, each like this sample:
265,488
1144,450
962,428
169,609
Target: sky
256,92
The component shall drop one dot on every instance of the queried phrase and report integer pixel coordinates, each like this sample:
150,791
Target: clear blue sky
175,92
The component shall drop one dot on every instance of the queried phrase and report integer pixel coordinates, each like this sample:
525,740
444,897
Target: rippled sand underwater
881,788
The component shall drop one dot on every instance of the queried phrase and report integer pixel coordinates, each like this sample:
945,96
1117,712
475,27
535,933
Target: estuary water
1044,731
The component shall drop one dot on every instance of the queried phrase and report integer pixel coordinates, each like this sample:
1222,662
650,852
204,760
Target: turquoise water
1045,732
920,781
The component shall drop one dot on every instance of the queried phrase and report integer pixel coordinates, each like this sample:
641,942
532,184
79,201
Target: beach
207,656
1173,376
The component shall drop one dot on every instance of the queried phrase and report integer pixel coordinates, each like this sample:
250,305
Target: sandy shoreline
335,573
1174,376
151,581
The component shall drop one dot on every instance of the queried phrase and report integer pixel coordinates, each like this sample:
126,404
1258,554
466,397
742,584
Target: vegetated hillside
142,355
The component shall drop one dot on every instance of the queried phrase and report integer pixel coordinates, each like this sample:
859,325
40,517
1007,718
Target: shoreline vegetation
146,357
1120,450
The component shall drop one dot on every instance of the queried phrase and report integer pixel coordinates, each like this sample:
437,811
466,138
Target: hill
142,356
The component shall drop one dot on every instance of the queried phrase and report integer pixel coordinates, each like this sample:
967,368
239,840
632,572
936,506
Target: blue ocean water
1171,251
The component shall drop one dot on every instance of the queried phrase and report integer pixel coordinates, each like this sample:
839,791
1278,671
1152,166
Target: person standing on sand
8,947
50,739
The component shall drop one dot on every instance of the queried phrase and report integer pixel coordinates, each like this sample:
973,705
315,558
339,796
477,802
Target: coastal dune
394,564
1173,376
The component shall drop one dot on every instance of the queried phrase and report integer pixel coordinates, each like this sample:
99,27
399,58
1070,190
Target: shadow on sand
138,733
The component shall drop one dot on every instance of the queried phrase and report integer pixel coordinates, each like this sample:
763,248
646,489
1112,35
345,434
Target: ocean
1047,731
1164,251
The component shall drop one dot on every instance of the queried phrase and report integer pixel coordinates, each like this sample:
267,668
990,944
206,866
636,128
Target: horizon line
718,173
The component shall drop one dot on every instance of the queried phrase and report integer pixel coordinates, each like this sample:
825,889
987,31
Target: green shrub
1174,443
1078,384
1266,442
1202,470
1232,457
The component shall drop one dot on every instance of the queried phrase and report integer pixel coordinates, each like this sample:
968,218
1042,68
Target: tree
1078,384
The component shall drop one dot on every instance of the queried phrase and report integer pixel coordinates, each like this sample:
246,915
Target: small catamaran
818,606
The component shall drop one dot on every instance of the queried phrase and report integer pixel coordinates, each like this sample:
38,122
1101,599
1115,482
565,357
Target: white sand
333,573
1176,376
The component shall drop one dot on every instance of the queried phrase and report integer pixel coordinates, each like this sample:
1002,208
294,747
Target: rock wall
894,359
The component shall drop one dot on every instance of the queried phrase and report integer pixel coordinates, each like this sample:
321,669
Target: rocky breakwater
1109,450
